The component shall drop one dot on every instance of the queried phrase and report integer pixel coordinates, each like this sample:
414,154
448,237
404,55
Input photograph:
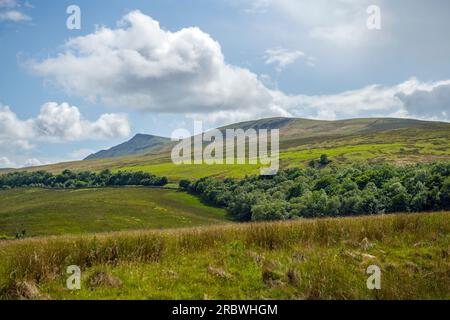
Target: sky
156,66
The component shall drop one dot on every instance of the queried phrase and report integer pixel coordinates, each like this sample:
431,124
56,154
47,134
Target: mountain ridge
139,144
291,130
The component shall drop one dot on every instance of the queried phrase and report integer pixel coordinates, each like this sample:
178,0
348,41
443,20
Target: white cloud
6,163
33,162
282,57
14,131
374,100
13,15
143,66
64,122
10,11
258,6
338,22
59,123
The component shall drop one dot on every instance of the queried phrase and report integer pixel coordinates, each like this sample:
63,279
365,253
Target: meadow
43,212
161,243
304,259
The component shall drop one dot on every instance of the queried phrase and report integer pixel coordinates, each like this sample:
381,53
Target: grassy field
116,236
306,259
44,212
399,150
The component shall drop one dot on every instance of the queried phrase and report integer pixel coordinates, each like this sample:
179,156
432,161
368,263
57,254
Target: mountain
293,132
139,144
306,128
390,140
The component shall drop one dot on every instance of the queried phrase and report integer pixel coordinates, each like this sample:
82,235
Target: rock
218,272
23,290
103,279
257,257
293,277
298,257
365,244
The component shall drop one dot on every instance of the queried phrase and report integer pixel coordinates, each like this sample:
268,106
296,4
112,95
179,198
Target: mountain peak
139,144
293,131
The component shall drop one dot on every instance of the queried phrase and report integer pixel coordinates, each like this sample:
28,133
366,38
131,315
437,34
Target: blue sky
154,72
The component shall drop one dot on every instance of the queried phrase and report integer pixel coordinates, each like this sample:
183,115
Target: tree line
70,179
361,189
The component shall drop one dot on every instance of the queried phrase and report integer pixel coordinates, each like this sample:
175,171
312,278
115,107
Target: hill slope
291,130
43,212
301,140
139,144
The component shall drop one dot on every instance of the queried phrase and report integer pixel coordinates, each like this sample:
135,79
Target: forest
331,191
69,179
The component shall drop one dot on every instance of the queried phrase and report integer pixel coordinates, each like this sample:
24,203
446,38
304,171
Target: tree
399,198
270,210
445,194
184,184
324,160
316,204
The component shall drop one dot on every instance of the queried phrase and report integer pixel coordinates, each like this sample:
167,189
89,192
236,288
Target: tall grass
41,259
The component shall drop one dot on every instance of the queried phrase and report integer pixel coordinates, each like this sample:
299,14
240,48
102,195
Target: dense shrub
361,189
70,179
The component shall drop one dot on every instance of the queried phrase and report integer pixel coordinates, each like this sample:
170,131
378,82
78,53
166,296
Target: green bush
360,189
70,179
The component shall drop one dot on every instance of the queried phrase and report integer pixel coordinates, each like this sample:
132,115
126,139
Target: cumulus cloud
140,65
14,131
58,123
64,122
432,102
375,100
143,66
10,10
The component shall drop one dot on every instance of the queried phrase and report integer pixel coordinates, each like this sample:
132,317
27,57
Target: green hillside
346,141
42,212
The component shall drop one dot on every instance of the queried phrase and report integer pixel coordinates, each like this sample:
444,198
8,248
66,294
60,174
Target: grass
204,257
305,259
44,212
340,152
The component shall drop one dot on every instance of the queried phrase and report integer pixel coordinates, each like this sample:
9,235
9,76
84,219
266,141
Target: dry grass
42,259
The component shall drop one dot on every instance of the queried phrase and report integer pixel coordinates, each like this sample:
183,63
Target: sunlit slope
393,140
55,212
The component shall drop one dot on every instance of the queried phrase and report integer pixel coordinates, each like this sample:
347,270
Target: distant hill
293,132
306,128
139,144
400,141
